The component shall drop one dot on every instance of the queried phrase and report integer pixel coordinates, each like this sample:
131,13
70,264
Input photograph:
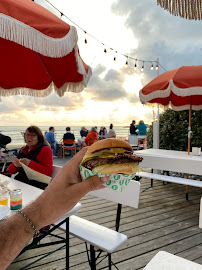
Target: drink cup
4,195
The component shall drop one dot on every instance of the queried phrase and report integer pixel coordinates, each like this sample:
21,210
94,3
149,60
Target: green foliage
173,130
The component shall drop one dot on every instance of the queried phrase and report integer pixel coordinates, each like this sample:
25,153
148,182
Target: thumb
95,182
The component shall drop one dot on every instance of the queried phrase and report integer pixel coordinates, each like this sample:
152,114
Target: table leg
152,179
92,257
67,243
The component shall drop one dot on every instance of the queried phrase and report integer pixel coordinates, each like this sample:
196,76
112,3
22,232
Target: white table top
29,194
166,261
177,161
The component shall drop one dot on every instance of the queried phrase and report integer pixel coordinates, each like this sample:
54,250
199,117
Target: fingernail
104,179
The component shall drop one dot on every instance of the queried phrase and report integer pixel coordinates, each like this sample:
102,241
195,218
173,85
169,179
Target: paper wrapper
117,182
34,175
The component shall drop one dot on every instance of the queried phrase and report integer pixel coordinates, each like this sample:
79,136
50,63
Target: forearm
15,234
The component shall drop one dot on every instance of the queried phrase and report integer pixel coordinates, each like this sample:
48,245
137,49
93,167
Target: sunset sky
139,29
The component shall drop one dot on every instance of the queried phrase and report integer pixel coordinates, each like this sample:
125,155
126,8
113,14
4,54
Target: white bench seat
172,179
167,261
94,234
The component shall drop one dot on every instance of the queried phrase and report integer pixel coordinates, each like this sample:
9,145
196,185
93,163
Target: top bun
109,143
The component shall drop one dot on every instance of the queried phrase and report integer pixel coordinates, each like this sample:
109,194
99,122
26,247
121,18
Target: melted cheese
110,152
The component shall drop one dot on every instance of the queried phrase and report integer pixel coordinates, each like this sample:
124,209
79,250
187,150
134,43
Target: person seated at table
68,135
102,133
83,133
4,140
142,128
91,137
111,133
133,128
50,137
96,129
37,155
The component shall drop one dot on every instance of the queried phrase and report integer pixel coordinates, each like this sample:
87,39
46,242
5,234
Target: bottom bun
126,168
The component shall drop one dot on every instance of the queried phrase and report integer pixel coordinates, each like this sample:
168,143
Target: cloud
109,88
174,40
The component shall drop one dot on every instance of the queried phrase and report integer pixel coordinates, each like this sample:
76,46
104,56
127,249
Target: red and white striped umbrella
38,52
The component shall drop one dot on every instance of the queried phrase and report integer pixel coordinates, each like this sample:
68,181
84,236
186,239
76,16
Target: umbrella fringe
183,92
81,68
75,87
174,108
20,33
188,9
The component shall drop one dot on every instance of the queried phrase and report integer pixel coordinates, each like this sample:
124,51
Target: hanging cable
105,49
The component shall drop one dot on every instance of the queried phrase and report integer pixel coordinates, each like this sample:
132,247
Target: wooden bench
100,237
171,179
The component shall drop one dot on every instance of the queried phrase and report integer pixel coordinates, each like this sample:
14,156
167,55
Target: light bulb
126,64
142,69
135,67
114,58
157,67
152,67
105,51
86,41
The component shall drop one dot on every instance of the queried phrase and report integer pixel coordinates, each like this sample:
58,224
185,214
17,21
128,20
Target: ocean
15,132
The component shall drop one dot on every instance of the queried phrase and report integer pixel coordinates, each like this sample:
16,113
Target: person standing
50,137
142,128
133,128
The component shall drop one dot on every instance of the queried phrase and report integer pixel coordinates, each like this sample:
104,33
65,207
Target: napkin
34,175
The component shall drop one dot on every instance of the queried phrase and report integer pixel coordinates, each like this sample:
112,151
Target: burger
111,156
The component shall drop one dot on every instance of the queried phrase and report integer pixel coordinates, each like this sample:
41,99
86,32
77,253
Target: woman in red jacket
37,155
91,137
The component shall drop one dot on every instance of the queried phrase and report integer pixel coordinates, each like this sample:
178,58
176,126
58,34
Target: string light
105,46
85,38
115,56
135,67
126,64
142,69
152,67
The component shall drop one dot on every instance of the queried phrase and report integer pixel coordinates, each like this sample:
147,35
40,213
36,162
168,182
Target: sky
139,29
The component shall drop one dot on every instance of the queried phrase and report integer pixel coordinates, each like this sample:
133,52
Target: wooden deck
163,221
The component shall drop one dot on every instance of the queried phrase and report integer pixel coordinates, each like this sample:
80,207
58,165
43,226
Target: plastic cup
4,195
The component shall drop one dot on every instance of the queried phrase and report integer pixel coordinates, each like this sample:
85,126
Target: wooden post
189,143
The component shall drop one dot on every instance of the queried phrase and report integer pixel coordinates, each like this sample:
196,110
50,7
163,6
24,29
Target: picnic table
170,160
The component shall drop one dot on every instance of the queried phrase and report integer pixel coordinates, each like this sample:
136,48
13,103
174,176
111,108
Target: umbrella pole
189,142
